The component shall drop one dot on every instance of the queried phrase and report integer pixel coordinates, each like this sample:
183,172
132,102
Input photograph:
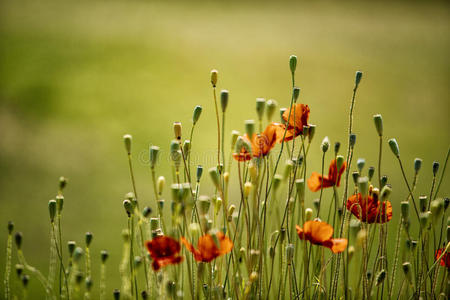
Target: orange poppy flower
321,233
333,178
297,121
261,143
164,251
445,260
207,249
370,208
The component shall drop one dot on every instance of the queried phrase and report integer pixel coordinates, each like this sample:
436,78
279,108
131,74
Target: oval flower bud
325,144
371,172
224,99
295,93
199,172
260,105
214,176
358,77
406,267
18,239
52,209
71,245
352,140
288,168
88,238
417,164
308,214
153,156
10,227
59,203
196,115
337,146
186,147
378,120
128,206
355,176
293,63
394,147
360,164
435,168
214,74
127,141
271,105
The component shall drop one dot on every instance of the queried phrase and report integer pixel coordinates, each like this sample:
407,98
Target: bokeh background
77,75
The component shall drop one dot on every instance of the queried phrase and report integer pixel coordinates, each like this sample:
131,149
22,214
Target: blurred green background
77,75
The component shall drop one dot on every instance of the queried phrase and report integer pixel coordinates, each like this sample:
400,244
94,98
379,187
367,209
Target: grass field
77,75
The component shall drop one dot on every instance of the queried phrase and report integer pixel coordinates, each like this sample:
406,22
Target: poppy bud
406,267
271,105
355,176
128,206
358,77
316,203
19,269
88,283
25,279
435,168
174,147
378,120
352,140
325,144
224,99
394,147
77,254
360,164
204,202
311,132
59,203
186,147
104,255
417,164
380,277
277,181
88,238
370,172
260,105
116,294
308,214
296,93
214,74
71,245
437,208
52,209
385,192
62,182
127,140
383,180
404,205
293,63
288,168
217,205
214,176
153,155
424,219
282,111
146,211
249,128
363,186
300,185
196,115
290,253
18,239
423,203
337,146
177,130
10,227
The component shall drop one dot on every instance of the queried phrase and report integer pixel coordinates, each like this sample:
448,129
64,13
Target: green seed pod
52,209
174,147
282,111
311,132
154,224
18,239
423,203
59,203
437,208
295,93
186,147
88,282
177,130
435,168
337,146
352,140
371,172
196,115
104,256
384,180
128,207
300,186
290,253
10,227
325,144
146,212
62,182
260,105
25,279
214,74
153,156
271,105
19,269
385,192
424,219
204,203
293,63
288,168
355,176
358,77
394,147
214,176
363,186
88,238
378,120
277,182
360,164
77,254
116,294
380,277
71,245
417,164
224,99
308,214
199,172
406,267
404,205
127,140
250,128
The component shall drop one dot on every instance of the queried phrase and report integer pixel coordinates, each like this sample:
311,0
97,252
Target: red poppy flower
164,251
370,208
207,248
261,143
321,233
333,178
297,121
445,260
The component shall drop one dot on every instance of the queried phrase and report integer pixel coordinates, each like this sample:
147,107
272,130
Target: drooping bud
378,120
394,147
358,77
363,186
435,167
293,63
352,140
417,164
325,144
25,279
271,105
260,105
196,115
224,99
127,140
385,192
308,214
18,239
177,130
52,209
250,128
360,164
214,74
214,176
337,146
295,93
311,132
370,173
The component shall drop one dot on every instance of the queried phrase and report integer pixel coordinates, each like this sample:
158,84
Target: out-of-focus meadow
77,75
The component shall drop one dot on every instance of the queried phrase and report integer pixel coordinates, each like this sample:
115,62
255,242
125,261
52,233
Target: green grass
76,76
